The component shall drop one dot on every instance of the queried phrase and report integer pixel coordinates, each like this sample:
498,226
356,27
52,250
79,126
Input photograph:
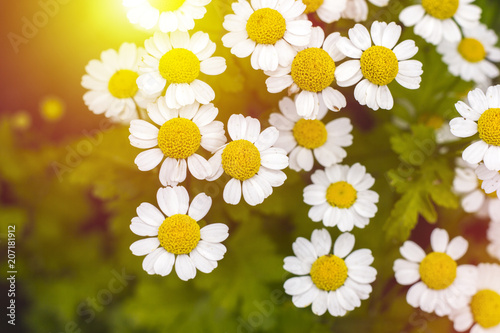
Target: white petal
214,233
200,206
457,248
212,251
149,159
232,191
150,214
439,240
411,251
164,263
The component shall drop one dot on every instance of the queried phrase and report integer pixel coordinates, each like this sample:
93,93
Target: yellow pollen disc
179,138
179,234
341,194
310,134
438,270
166,5
485,308
329,272
379,65
241,159
179,66
488,127
471,50
441,9
312,5
122,84
266,26
313,69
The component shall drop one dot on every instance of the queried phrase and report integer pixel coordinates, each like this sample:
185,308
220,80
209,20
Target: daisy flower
493,236
112,84
483,310
340,196
357,10
175,61
328,11
483,117
302,138
378,64
182,131
435,20
177,238
471,58
438,284
250,160
490,180
167,15
311,73
335,282
267,30
473,198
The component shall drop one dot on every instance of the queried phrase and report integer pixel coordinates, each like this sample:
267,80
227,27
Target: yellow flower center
488,127
241,159
179,66
341,194
179,234
438,270
166,5
179,138
310,134
379,65
441,9
485,308
312,5
266,26
122,84
329,272
471,50
313,69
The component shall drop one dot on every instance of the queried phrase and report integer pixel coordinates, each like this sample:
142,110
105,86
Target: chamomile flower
112,84
311,73
340,196
473,198
357,10
483,310
335,282
250,160
302,138
167,15
490,179
328,11
178,238
267,30
182,131
435,20
175,61
438,284
378,64
472,57
483,117
493,235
